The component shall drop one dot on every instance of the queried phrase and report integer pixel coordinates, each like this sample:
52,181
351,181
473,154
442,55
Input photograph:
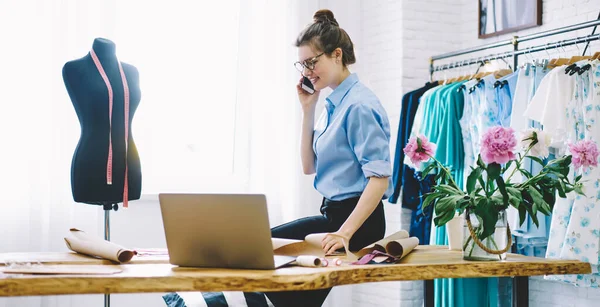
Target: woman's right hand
307,100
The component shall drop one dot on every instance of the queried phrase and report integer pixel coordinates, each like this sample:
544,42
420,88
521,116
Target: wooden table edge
243,280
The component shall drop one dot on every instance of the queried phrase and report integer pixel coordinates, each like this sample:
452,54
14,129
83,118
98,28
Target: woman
348,150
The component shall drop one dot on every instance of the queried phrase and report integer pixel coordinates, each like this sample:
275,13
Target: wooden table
155,274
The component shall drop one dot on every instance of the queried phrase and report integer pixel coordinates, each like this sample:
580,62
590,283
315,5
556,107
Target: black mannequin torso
89,95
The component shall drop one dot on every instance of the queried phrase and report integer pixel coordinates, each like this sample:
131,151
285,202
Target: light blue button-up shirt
351,142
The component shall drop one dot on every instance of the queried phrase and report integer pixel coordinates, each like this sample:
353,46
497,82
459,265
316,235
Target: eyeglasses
308,64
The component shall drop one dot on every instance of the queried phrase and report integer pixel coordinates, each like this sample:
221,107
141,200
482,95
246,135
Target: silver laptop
219,231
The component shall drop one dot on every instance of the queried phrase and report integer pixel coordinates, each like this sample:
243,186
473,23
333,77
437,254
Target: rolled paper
83,243
324,261
308,261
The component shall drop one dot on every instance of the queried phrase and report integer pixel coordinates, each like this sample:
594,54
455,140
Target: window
185,126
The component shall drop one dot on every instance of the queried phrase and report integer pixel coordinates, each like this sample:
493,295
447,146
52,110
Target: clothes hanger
478,74
472,76
466,74
461,75
444,79
544,62
504,71
577,58
558,61
450,78
595,56
453,79
529,61
551,61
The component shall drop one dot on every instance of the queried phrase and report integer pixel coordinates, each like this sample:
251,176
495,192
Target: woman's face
325,69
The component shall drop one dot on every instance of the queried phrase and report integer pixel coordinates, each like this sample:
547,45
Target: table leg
520,291
428,295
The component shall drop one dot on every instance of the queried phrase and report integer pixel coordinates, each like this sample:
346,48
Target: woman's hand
307,100
333,241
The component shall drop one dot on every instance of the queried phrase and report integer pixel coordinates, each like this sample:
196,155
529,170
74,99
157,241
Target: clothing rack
520,285
516,51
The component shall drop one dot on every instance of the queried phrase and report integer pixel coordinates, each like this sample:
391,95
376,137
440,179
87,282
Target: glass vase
496,242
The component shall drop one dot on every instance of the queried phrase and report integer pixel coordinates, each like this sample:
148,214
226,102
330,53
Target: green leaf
508,164
448,189
536,196
502,188
444,218
522,215
480,162
530,206
463,203
536,159
538,201
525,173
579,189
488,214
578,178
549,195
428,169
558,174
429,198
472,179
513,191
493,171
444,205
534,219
561,188
482,184
515,201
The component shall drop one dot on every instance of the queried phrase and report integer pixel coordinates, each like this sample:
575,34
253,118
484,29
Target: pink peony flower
585,153
498,144
419,152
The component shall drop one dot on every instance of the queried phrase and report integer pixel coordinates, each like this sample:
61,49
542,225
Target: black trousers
334,214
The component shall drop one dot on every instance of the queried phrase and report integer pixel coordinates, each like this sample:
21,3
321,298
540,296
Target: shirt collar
336,97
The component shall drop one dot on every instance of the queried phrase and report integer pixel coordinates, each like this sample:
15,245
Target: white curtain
218,114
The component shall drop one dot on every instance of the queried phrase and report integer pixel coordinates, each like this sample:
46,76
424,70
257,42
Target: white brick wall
394,41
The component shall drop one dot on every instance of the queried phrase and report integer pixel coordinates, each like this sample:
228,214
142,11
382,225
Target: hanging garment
410,103
420,225
504,93
575,229
412,187
530,240
470,131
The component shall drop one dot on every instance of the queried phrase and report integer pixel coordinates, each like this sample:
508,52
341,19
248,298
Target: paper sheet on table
62,270
83,243
289,247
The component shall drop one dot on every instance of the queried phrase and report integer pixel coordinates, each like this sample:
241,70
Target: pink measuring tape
110,110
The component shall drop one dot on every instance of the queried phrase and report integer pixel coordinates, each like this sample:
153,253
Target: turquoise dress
442,112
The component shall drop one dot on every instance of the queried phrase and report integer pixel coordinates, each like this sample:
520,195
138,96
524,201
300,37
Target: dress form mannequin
90,97
100,162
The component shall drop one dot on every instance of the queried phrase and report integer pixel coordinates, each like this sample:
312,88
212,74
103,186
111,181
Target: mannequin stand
107,208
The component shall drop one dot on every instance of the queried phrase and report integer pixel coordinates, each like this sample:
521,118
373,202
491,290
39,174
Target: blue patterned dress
575,229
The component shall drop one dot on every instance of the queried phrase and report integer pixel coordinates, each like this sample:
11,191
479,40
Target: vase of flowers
499,180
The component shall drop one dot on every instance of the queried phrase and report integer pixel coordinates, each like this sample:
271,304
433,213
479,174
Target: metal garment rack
520,285
516,51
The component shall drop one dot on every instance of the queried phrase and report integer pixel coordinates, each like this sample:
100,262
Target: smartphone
307,86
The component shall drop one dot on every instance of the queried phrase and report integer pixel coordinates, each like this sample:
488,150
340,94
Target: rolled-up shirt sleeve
368,134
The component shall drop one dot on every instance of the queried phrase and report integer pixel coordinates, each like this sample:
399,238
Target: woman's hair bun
325,16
